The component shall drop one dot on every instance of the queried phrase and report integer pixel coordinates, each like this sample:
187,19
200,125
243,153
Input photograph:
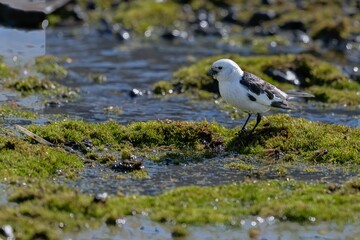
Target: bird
248,92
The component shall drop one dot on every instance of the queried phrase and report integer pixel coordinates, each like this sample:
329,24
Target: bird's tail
298,94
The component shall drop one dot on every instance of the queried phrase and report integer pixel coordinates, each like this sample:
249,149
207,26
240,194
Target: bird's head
225,70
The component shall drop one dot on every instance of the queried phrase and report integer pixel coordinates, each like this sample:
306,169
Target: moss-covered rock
318,77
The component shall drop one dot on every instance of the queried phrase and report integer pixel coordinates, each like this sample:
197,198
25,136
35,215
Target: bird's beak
211,73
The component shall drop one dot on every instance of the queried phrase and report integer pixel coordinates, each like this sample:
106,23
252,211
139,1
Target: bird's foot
241,132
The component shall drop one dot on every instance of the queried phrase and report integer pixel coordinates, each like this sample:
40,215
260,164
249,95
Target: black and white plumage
247,92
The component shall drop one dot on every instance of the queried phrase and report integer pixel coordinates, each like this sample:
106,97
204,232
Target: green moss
10,110
32,84
138,134
179,231
163,88
142,15
49,66
300,139
125,153
318,77
41,207
5,71
139,174
45,70
240,165
258,45
20,158
296,138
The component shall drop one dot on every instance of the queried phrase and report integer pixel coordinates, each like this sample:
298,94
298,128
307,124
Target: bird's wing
265,93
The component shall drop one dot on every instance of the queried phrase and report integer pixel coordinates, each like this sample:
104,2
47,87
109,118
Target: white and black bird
248,92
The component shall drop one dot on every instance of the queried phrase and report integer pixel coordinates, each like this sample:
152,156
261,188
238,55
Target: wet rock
174,34
294,25
105,27
127,165
135,93
120,33
333,187
90,5
7,231
101,197
231,17
53,104
206,30
268,2
20,18
352,72
283,75
261,16
83,147
31,14
269,31
300,36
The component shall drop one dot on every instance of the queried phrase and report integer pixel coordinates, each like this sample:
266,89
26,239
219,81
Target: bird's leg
244,126
258,120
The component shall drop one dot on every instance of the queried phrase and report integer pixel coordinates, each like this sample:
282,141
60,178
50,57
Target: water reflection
21,46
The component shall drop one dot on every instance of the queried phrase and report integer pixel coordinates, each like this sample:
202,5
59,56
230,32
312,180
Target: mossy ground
322,79
49,210
43,78
296,138
54,209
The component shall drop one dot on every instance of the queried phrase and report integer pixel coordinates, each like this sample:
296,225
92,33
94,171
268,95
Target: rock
268,2
174,34
269,31
101,197
83,147
230,17
30,14
210,31
352,72
120,33
135,93
127,165
18,18
294,25
261,16
300,36
283,75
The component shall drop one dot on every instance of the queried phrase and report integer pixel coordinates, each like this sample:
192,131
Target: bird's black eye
220,68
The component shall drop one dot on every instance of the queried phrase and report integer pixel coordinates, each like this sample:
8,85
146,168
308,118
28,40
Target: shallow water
139,227
139,64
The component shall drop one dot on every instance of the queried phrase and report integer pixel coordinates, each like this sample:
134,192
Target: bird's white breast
237,95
